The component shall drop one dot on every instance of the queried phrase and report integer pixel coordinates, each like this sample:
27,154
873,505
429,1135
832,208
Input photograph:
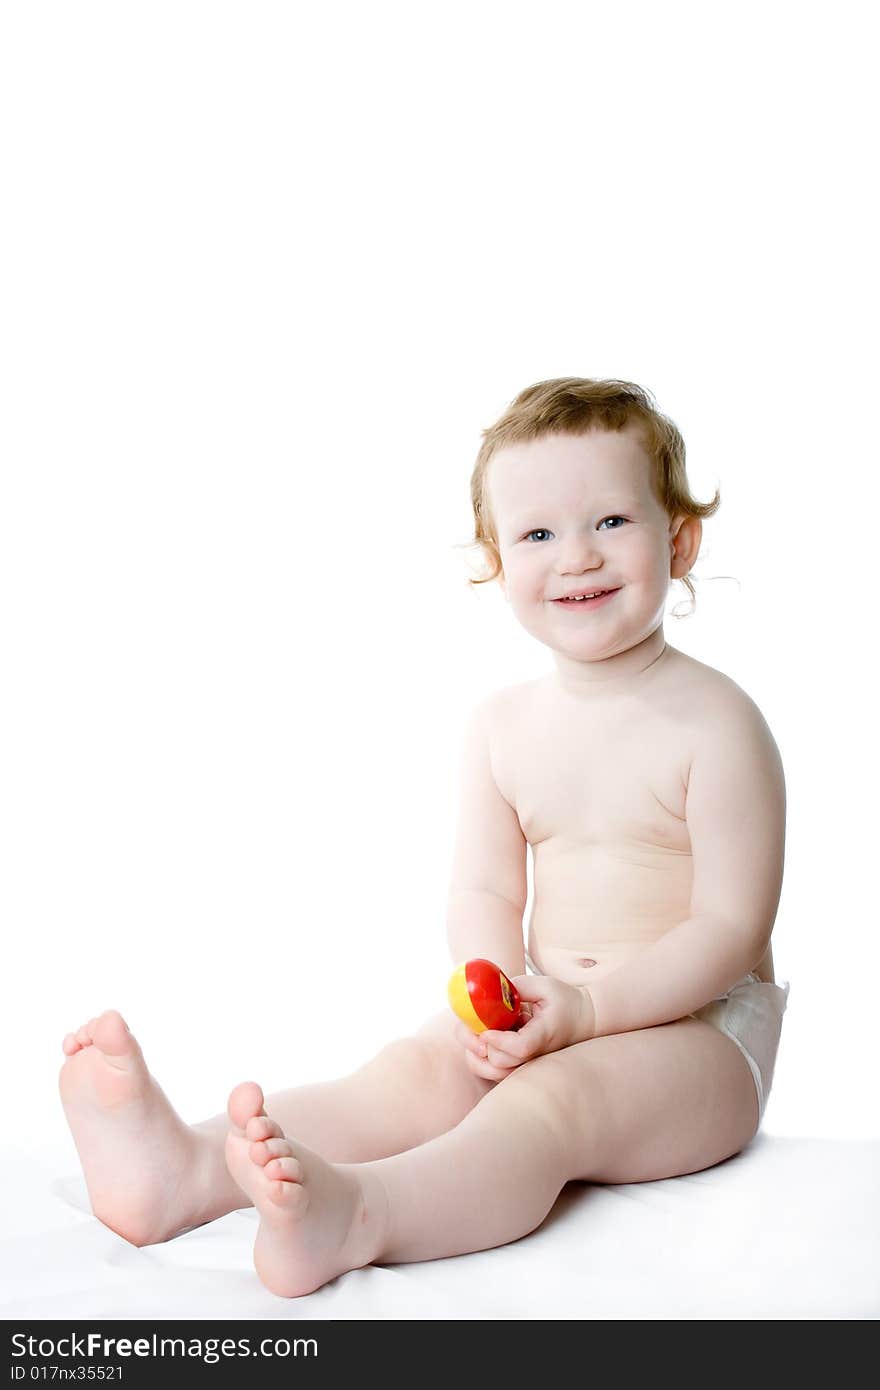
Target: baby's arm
488,885
735,814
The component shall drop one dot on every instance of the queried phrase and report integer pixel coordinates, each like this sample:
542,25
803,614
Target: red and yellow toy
482,995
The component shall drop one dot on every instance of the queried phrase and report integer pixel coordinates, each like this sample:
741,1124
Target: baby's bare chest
592,776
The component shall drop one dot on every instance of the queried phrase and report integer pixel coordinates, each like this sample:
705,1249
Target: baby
652,793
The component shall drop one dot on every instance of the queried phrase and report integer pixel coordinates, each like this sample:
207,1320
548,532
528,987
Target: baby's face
578,512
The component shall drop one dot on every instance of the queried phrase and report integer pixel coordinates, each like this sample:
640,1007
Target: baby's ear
686,537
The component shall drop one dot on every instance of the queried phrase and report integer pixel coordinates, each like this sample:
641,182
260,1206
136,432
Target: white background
268,272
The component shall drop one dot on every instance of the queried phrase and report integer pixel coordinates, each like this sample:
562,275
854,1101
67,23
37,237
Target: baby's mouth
598,596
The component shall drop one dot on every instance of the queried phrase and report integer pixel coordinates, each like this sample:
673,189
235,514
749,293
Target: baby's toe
264,1150
292,1196
262,1127
245,1102
287,1169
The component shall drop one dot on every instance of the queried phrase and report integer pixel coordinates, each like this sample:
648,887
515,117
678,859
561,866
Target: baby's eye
542,530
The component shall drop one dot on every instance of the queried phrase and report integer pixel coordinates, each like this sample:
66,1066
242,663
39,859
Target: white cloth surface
787,1229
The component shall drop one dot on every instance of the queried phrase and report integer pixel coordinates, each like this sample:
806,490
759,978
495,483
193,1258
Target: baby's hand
557,1015
560,1014
476,1049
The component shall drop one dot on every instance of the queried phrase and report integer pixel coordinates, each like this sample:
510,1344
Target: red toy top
482,995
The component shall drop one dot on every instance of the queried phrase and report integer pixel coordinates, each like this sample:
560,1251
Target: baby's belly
595,906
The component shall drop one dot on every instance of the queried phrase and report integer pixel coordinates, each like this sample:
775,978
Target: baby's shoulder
509,702
710,684
719,707
505,711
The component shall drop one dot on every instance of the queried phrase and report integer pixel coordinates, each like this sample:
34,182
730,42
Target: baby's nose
579,559
579,552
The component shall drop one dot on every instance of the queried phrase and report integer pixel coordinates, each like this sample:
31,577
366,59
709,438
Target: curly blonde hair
574,405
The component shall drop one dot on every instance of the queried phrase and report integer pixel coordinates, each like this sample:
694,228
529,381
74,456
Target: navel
585,960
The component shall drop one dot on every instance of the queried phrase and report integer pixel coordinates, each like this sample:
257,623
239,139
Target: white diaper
750,1015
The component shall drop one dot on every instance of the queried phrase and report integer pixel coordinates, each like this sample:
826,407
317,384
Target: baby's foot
147,1173
315,1217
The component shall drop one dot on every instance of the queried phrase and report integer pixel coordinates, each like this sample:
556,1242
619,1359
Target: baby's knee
420,1077
438,1037
440,1026
416,1058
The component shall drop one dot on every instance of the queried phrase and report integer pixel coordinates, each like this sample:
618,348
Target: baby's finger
496,1040
503,1060
507,1043
529,1041
481,1066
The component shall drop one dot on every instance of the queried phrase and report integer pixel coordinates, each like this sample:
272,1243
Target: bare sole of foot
146,1171
315,1220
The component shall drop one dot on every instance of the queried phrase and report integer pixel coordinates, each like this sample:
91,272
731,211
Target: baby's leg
629,1107
150,1175
414,1089
488,1181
